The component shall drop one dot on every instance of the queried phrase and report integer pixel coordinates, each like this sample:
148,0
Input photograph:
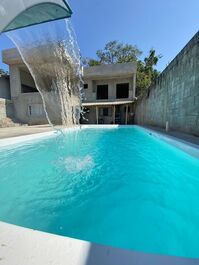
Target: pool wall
187,147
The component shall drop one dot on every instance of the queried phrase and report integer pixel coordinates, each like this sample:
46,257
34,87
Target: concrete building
27,102
109,92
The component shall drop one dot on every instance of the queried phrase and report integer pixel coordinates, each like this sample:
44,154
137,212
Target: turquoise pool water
121,187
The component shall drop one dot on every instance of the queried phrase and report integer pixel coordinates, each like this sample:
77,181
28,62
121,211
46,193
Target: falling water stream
51,54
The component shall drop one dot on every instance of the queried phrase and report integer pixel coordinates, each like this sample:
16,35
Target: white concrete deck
23,130
22,246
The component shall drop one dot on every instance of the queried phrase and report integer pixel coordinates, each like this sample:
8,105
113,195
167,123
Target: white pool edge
23,246
187,147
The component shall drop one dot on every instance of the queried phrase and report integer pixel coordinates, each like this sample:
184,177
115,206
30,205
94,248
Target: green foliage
146,74
116,52
93,62
142,79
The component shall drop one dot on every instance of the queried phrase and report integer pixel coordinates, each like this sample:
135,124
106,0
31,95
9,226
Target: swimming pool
121,187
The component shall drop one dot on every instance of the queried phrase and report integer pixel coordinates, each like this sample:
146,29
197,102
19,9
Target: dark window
85,86
28,89
105,112
122,90
102,92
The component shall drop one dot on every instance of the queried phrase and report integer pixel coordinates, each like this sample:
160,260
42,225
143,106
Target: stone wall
175,95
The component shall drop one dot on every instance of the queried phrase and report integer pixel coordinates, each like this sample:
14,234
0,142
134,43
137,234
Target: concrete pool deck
23,130
22,246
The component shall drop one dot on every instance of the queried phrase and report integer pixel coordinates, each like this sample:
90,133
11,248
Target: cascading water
52,56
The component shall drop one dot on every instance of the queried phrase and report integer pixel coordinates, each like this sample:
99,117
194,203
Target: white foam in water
51,54
76,165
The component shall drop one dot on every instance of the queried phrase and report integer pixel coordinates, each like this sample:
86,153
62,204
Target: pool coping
23,246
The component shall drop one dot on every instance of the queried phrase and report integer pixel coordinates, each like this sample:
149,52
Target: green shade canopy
22,13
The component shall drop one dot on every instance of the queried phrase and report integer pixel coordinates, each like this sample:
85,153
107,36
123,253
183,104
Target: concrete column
126,119
15,81
97,115
114,114
134,85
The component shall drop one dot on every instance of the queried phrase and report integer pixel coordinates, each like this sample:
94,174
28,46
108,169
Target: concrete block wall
175,95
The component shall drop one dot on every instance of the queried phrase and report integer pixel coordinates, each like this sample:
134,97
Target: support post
134,85
97,116
126,120
114,114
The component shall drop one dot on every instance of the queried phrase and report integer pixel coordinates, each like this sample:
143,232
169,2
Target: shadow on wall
102,255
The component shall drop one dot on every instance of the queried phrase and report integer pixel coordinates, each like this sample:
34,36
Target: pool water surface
120,187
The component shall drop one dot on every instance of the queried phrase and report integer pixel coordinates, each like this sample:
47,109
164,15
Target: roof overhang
110,71
17,14
107,103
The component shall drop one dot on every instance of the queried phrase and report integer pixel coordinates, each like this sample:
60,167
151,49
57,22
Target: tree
146,74
116,52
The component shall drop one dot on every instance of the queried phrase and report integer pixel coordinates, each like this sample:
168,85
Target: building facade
108,93
27,102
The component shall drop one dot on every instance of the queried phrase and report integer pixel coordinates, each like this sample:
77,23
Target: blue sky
166,25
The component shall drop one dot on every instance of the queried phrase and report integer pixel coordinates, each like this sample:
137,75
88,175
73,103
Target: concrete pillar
126,119
15,81
97,115
134,85
114,114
